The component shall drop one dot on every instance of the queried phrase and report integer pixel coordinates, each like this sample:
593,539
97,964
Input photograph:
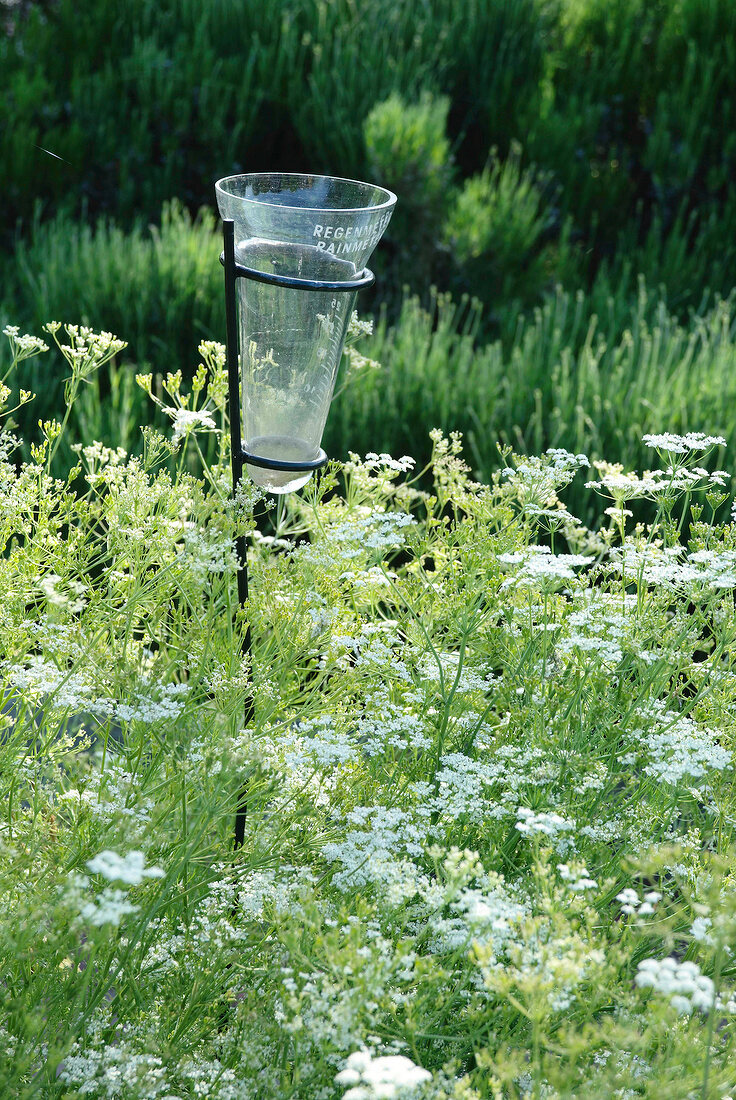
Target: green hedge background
560,163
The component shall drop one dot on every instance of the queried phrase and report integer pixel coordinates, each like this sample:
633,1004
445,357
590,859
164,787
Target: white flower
576,877
130,869
608,651
650,902
188,420
538,563
348,540
143,708
622,485
632,904
677,746
108,908
630,901
51,584
699,929
203,553
380,849
552,825
68,689
681,444
358,327
381,1078
464,678
689,989
535,481
22,347
374,461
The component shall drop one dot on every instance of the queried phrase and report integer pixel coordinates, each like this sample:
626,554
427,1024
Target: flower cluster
683,982
23,346
682,444
532,823
190,420
130,869
634,905
386,1077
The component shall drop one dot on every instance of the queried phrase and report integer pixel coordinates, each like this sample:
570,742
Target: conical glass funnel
316,228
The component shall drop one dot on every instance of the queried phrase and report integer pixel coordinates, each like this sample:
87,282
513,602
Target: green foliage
497,69
497,231
409,152
134,101
489,846
356,55
624,109
409,140
638,111
689,261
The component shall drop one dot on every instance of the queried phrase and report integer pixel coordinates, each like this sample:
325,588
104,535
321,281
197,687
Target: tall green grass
592,382
590,371
159,286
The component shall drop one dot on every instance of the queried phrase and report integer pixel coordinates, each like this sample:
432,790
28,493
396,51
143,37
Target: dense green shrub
409,151
625,107
498,232
640,110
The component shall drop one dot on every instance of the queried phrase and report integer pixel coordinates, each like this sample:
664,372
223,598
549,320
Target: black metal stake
236,457
240,456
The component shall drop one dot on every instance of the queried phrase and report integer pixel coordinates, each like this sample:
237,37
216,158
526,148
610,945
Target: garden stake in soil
290,228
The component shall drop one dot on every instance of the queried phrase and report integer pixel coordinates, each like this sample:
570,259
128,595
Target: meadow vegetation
489,847
540,148
489,839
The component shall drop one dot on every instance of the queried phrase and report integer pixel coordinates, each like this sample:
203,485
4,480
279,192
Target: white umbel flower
189,420
381,1078
130,869
681,444
687,988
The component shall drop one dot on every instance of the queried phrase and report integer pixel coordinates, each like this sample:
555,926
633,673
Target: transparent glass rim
389,201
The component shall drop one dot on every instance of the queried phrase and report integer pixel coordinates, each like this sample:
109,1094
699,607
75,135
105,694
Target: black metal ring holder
239,455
